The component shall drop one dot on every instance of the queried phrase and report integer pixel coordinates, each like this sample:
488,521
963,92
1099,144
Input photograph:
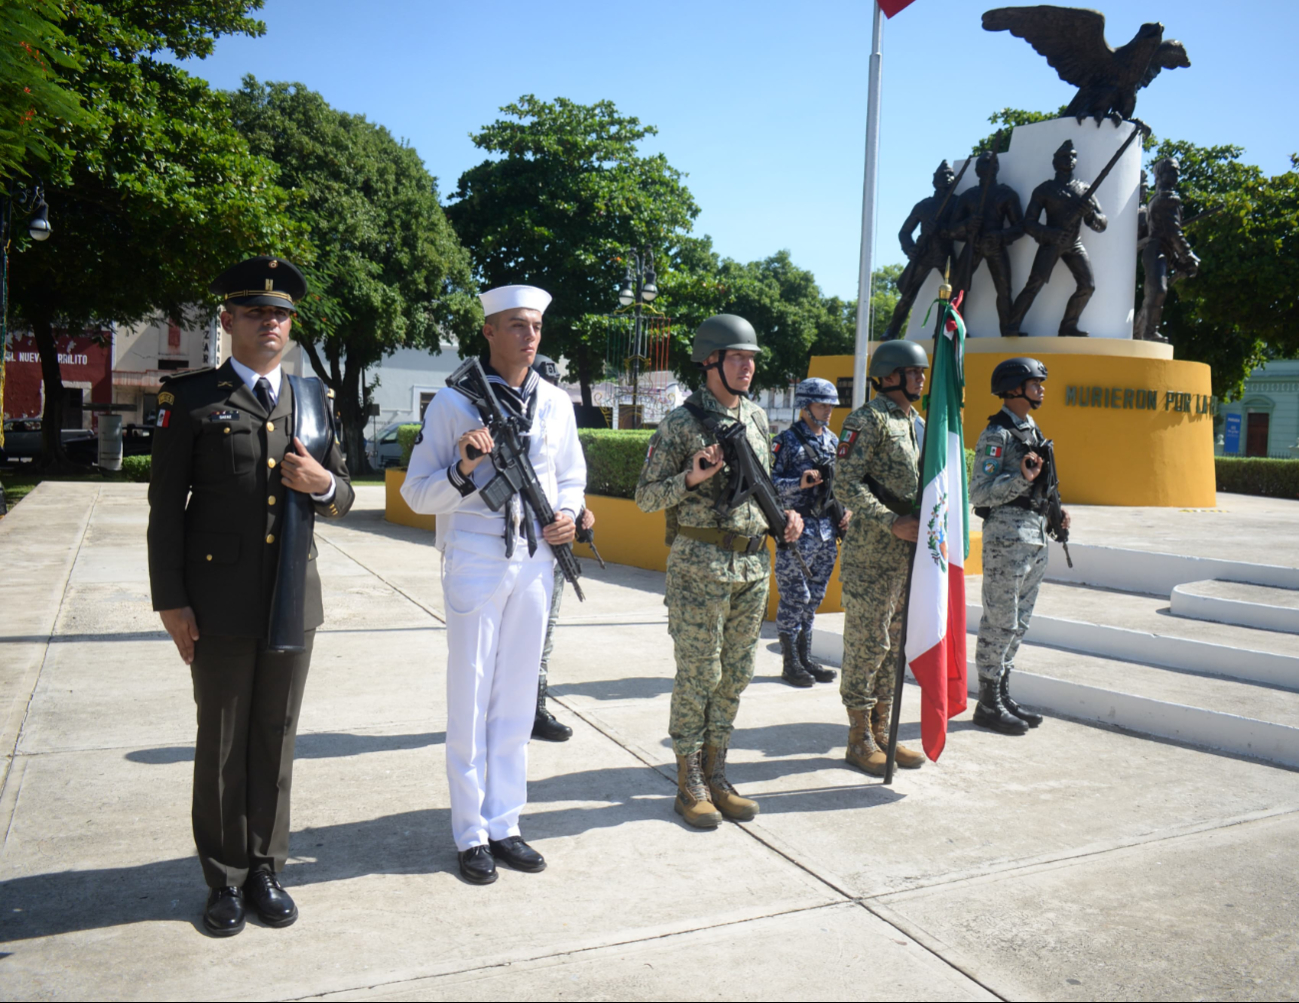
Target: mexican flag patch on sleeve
993,451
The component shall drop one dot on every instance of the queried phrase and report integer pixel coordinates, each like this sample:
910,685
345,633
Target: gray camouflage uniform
877,440
1014,545
716,598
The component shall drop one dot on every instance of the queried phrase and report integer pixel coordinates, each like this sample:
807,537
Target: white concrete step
1156,573
1241,603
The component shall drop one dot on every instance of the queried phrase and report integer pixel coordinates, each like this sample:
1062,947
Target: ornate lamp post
639,287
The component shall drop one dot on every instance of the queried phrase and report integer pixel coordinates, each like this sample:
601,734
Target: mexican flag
936,607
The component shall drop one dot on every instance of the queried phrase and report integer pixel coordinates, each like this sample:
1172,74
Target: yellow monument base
1131,425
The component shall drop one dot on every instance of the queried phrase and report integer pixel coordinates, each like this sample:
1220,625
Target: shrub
1257,475
137,468
614,458
969,464
406,435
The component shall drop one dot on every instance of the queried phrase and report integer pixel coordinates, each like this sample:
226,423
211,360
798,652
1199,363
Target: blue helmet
815,391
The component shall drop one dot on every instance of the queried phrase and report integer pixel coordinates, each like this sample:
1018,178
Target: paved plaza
1078,862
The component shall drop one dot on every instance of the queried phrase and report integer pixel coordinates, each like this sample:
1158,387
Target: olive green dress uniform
878,441
715,591
215,505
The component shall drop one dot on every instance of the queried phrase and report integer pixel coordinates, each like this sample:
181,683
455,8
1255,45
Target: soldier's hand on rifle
1064,519
843,523
1030,467
480,439
704,464
810,479
587,518
907,527
793,525
562,530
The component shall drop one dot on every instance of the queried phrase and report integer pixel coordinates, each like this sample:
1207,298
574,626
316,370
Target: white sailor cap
514,298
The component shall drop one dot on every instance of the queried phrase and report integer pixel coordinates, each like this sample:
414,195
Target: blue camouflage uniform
799,449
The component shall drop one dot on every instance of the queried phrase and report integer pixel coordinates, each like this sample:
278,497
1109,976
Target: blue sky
762,104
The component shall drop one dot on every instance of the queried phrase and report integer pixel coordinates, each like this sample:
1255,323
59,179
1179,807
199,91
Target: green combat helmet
891,356
722,333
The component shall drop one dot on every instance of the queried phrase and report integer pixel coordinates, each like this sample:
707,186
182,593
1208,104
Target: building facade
85,363
1269,412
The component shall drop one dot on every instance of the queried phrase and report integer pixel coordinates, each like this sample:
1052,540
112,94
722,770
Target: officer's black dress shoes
546,727
268,897
514,851
477,865
224,915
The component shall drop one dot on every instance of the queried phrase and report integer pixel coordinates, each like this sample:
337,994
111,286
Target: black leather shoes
514,851
268,897
546,727
477,866
224,915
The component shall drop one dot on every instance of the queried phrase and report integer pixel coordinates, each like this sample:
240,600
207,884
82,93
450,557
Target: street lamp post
38,228
639,287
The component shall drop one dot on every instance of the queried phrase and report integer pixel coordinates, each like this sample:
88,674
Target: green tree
153,198
564,195
1008,118
1243,306
388,272
36,104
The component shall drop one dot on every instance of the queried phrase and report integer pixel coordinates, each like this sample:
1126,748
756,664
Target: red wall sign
81,361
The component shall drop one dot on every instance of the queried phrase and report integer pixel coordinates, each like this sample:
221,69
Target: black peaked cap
261,281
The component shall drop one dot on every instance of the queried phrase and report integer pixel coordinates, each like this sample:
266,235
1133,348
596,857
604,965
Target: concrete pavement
1078,862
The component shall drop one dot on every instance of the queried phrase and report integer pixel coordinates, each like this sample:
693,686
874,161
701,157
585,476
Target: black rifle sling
1035,500
733,498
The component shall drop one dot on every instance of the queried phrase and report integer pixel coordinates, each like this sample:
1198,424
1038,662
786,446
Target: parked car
384,450
23,442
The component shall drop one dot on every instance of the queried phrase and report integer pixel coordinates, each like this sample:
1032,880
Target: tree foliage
388,271
155,194
563,195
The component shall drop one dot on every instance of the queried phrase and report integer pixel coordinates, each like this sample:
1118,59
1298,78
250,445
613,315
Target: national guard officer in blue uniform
803,472
225,459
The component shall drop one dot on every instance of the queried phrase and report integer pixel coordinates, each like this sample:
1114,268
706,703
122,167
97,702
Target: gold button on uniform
270,426
209,557
270,537
227,430
271,464
270,500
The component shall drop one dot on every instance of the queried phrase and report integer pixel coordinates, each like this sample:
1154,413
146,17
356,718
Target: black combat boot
793,672
817,671
544,725
990,712
1027,716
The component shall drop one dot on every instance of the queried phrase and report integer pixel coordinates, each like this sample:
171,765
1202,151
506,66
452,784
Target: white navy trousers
496,626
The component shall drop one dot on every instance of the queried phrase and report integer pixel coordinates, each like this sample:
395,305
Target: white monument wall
1113,253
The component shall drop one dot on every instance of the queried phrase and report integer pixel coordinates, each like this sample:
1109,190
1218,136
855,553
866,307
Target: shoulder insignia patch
163,419
165,398
846,441
993,451
775,446
991,466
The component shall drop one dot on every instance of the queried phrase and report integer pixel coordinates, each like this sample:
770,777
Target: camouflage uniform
556,600
879,441
1014,545
715,597
799,596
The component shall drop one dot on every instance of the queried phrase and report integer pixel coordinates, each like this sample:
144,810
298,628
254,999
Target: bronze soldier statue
992,231
1062,198
1166,253
931,251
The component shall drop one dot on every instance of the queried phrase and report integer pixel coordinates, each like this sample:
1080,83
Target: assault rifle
514,473
1054,508
747,480
587,536
831,508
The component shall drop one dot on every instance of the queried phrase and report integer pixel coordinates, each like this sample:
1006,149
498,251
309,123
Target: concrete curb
1237,611
1155,649
1244,736
1154,573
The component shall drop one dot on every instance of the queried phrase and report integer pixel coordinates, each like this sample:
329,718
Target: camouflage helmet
722,333
1011,374
891,356
815,391
544,366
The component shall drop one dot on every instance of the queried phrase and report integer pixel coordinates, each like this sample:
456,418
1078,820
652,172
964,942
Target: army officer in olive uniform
224,457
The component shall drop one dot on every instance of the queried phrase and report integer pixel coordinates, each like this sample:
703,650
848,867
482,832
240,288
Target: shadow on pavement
319,745
628,688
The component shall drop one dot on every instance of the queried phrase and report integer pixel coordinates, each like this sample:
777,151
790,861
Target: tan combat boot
881,717
862,751
692,802
725,796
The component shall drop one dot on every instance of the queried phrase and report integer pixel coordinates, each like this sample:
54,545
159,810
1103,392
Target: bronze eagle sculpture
1073,41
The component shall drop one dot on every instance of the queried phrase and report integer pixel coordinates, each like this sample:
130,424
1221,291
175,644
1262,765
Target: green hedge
137,468
1257,475
613,459
406,435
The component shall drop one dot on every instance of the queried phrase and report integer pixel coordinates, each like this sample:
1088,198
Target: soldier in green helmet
879,480
716,589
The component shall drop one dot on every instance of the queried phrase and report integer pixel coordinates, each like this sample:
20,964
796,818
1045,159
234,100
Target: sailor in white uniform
496,606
